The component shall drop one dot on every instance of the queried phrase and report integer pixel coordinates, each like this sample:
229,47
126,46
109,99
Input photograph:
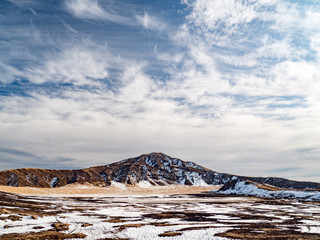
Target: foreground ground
152,213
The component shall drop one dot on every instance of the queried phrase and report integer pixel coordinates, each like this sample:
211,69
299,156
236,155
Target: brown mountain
156,168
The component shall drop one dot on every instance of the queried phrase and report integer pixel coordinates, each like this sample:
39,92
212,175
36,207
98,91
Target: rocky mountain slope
155,168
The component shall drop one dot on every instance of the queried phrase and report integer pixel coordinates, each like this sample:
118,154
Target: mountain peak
158,169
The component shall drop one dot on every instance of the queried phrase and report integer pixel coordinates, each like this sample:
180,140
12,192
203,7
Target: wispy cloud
78,64
9,73
92,10
26,3
67,26
252,63
150,22
221,21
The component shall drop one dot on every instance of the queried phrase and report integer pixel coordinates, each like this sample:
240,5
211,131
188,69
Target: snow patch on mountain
243,187
144,184
13,180
104,176
151,162
177,162
193,165
54,182
195,178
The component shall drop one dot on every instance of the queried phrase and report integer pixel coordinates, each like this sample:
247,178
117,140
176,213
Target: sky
233,85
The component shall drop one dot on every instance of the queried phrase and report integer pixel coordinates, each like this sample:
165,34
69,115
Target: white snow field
197,216
156,216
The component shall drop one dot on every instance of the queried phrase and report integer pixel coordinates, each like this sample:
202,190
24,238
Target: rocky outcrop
241,187
285,183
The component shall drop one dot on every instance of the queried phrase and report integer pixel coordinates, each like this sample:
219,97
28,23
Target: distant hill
155,168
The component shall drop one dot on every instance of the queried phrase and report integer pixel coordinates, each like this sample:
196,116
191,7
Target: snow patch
144,184
150,162
243,188
169,161
177,162
54,182
196,179
105,176
249,189
193,165
13,180
180,178
119,185
152,232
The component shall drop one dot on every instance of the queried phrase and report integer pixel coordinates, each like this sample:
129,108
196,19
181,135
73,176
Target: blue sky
229,84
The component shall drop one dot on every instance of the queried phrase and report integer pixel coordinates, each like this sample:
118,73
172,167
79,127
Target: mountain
155,168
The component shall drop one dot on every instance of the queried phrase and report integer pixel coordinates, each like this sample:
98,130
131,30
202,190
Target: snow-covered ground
152,217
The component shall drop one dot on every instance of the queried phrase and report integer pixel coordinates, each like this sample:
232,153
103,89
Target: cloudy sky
233,85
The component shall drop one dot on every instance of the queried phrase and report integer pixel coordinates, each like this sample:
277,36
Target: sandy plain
115,189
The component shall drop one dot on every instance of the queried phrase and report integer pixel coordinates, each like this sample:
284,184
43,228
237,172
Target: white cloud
9,73
80,64
296,78
230,13
220,20
268,61
86,127
137,85
92,10
315,45
168,57
269,52
67,26
151,22
294,17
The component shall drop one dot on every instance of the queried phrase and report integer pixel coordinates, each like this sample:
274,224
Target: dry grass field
114,189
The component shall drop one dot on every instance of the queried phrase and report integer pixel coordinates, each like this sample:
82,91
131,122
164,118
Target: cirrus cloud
92,10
